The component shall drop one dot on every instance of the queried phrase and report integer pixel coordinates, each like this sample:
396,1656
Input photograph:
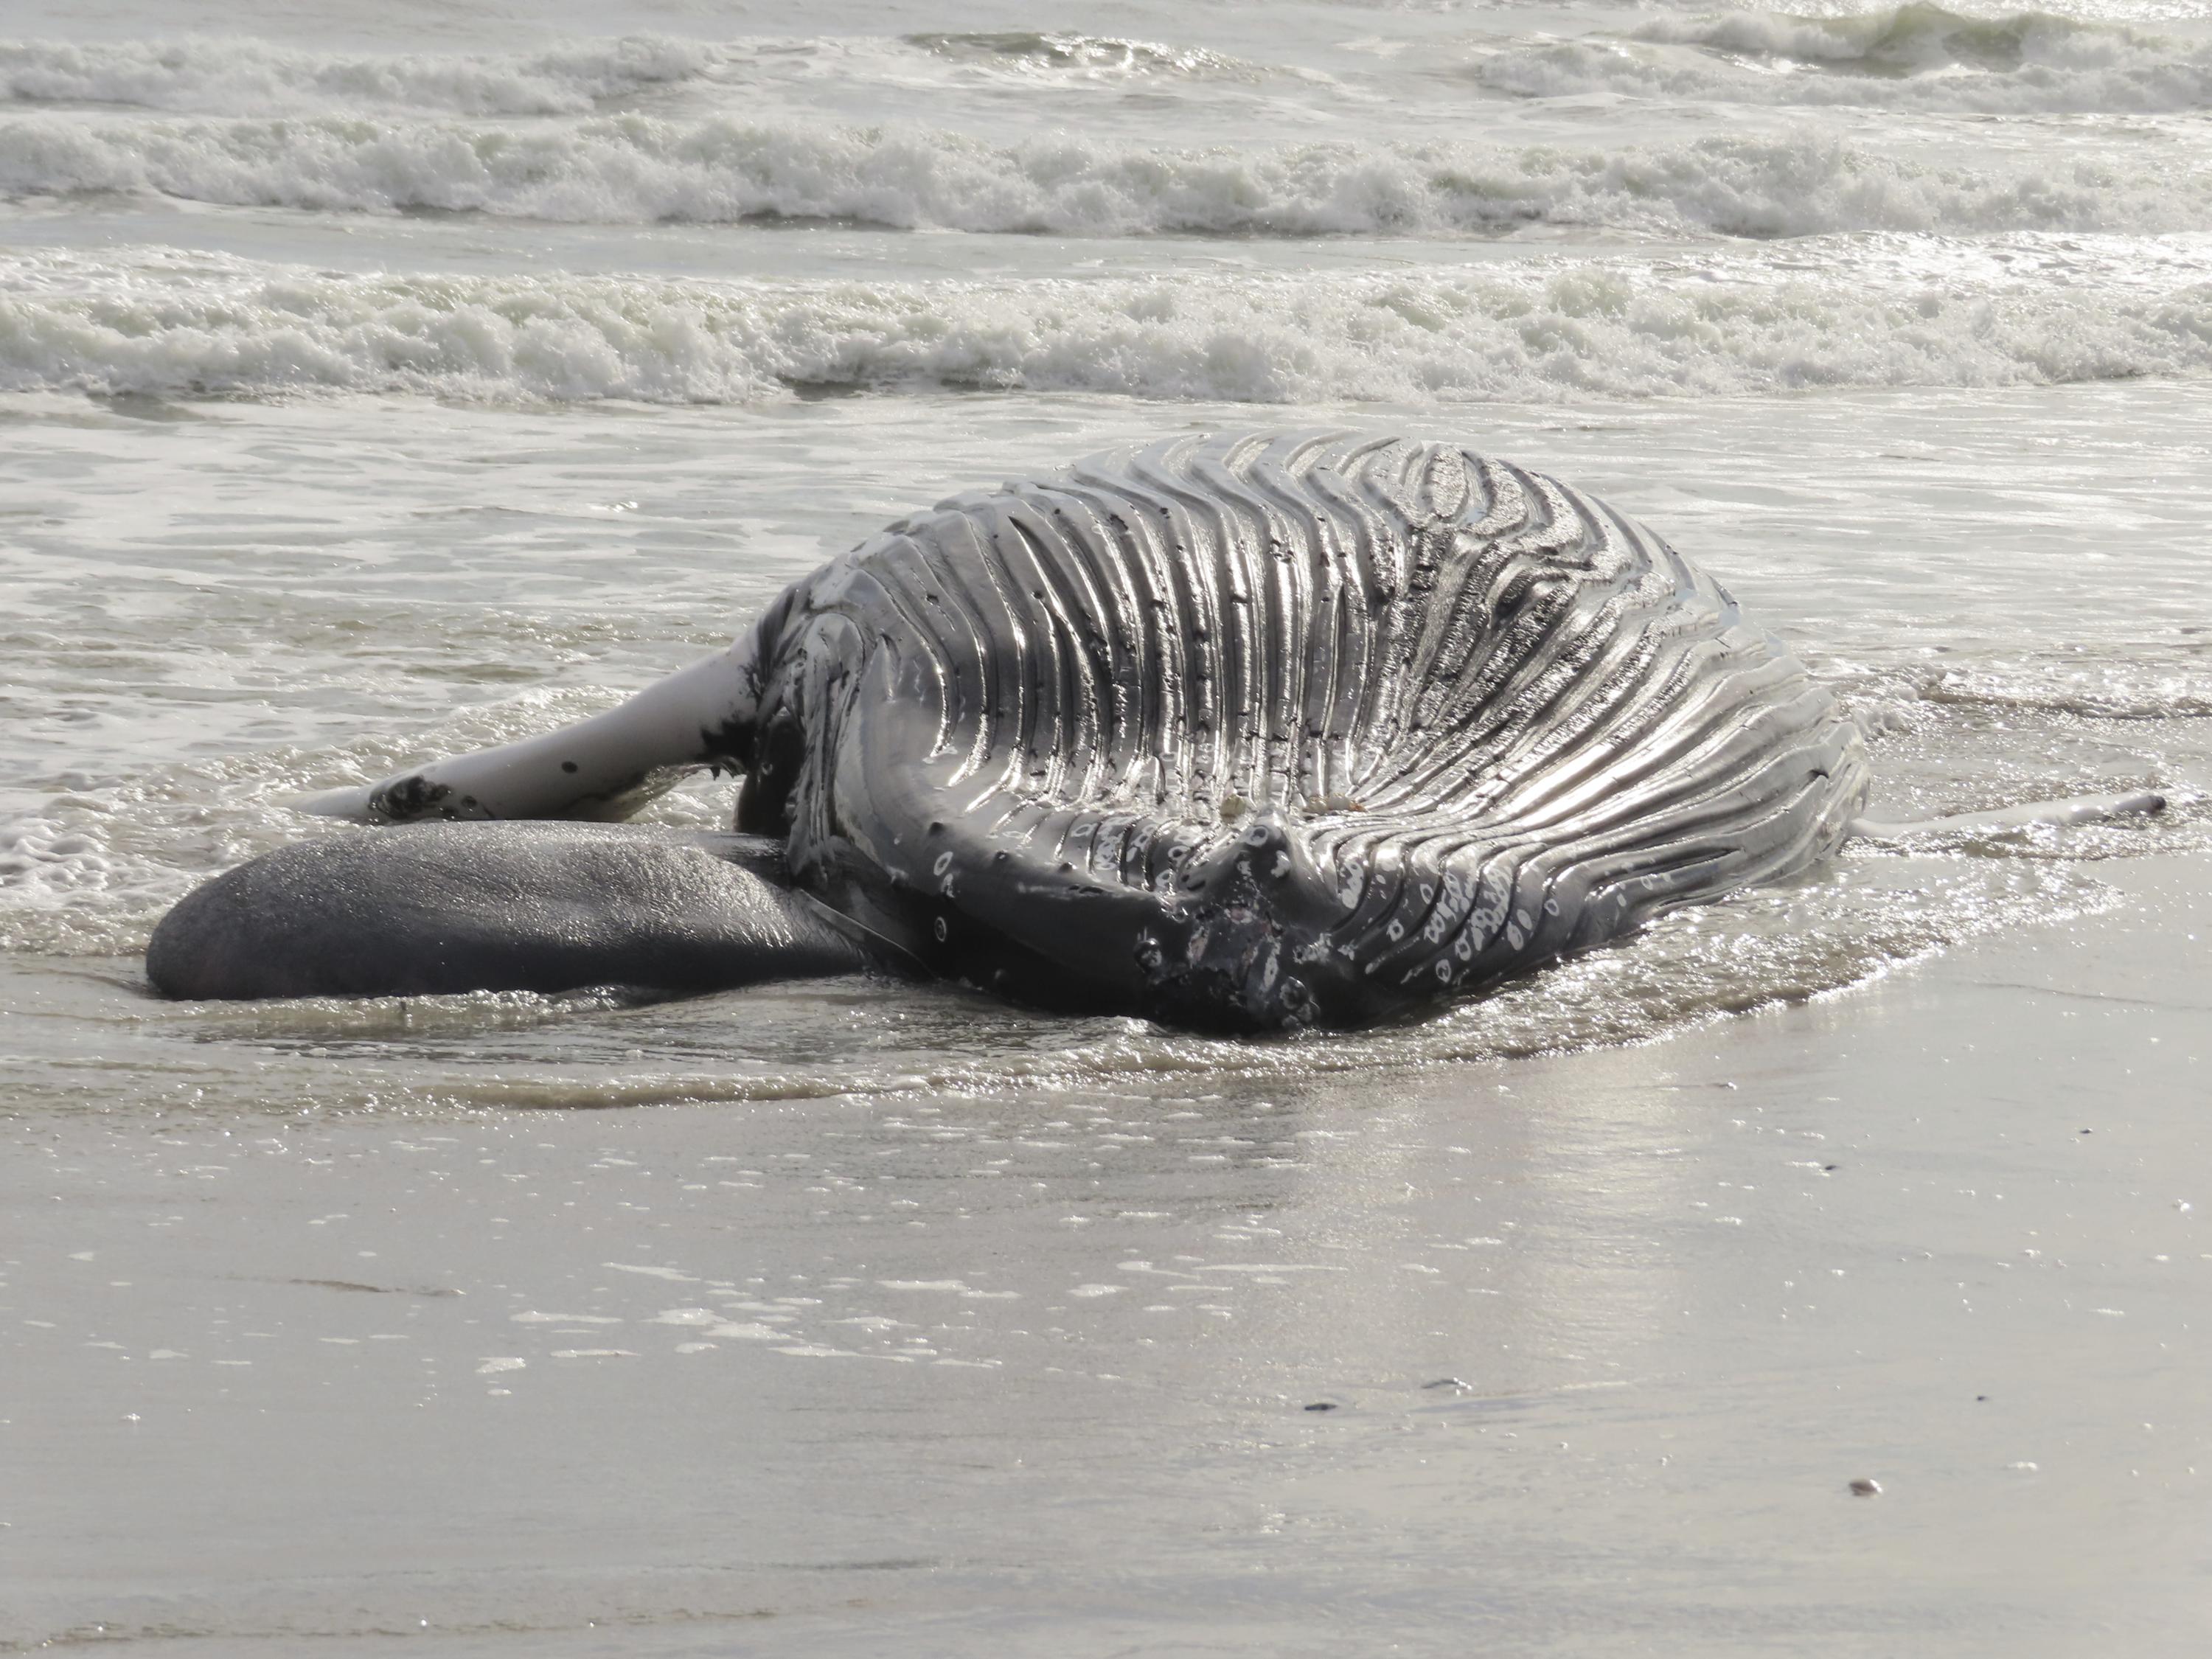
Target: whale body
1250,731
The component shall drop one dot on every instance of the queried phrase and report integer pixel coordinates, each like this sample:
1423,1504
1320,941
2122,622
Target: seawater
377,382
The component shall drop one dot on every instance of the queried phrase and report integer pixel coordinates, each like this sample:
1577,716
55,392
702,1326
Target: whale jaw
436,908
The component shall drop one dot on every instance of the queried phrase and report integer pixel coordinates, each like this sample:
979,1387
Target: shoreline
1034,1372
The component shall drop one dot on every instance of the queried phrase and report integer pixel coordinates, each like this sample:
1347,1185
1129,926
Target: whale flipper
599,769
424,910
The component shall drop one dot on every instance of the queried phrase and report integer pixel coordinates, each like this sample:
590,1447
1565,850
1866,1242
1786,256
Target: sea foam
1899,312
1909,57
637,169
1062,56
201,75
247,76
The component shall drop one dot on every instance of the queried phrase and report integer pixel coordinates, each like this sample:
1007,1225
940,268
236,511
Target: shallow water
377,382
237,602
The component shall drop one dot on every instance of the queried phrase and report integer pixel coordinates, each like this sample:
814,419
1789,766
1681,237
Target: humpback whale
1252,732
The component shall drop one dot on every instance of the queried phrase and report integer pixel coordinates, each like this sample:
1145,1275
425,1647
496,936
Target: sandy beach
379,383
1603,1337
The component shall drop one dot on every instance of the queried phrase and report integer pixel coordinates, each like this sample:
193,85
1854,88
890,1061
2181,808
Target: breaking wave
1097,56
241,75
1918,56
637,169
177,324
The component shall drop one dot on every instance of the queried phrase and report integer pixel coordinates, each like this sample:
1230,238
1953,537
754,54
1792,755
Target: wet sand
1604,1338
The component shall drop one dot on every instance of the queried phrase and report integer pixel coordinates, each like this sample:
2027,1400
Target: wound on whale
1251,732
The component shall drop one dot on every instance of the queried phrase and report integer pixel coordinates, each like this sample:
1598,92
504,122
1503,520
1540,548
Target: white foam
2030,311
635,169
66,888
1061,56
214,76
242,77
52,860
1908,56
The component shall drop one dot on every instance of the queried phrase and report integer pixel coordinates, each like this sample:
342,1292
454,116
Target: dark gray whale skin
426,908
1250,732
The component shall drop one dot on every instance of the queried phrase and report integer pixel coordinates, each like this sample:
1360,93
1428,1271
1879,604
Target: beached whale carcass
1251,732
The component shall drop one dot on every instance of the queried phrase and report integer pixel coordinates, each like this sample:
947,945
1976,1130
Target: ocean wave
249,78
175,325
1089,55
2098,692
242,77
636,169
1917,56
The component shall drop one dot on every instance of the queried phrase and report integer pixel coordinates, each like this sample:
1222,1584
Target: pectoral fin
598,770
